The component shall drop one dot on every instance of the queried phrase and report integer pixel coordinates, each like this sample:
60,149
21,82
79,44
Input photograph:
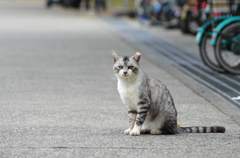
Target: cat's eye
130,67
120,67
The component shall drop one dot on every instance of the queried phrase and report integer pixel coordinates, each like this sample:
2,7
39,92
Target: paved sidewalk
58,95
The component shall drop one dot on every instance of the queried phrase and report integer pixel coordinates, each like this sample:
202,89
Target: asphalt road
58,95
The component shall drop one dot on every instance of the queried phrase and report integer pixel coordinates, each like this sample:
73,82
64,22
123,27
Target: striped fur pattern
150,105
213,129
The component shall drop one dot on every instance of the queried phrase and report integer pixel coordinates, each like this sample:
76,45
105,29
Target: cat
150,105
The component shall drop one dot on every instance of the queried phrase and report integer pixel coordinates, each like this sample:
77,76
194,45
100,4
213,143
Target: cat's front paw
155,131
127,131
134,133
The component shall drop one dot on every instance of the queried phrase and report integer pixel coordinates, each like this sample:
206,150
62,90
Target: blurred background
59,26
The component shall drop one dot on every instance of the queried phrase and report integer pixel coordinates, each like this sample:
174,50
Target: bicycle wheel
227,48
207,53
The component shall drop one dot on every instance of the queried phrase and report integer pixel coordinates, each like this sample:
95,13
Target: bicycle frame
203,29
236,46
231,44
221,26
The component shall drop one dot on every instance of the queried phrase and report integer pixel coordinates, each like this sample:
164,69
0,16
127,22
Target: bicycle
146,11
164,12
192,16
218,12
226,42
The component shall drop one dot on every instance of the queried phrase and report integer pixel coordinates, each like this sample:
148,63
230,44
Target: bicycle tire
207,54
230,31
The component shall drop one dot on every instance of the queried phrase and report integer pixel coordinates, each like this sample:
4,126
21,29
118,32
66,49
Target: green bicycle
226,42
205,33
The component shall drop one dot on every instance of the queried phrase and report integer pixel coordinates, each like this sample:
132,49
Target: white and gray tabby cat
150,105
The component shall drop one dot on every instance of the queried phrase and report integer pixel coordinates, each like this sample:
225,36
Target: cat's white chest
129,94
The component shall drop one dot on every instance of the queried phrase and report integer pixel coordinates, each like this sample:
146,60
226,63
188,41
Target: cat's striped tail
202,129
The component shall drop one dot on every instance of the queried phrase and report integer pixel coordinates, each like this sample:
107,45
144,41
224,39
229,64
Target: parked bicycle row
216,23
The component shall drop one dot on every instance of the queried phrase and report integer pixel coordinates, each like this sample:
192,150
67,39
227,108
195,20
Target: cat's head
124,66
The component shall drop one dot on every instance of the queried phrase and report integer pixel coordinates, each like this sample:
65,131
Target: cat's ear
115,56
137,56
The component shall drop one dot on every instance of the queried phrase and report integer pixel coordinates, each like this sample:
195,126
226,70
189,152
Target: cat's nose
125,72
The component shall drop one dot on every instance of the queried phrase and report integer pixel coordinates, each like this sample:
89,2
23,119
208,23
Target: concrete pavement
58,95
